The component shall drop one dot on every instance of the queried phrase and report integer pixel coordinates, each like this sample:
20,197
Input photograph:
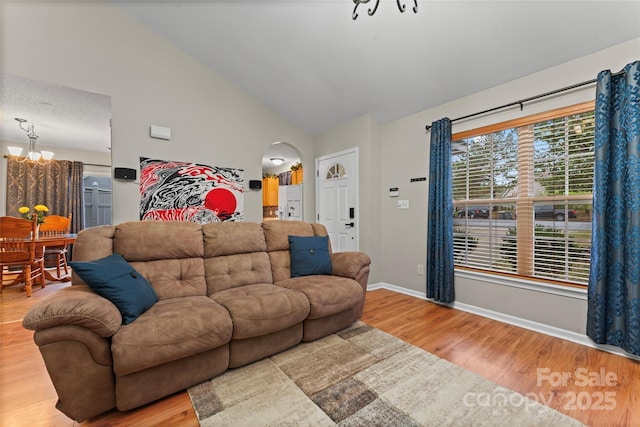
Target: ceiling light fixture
33,154
277,161
401,6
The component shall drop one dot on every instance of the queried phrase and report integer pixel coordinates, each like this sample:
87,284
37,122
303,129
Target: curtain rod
522,101
86,164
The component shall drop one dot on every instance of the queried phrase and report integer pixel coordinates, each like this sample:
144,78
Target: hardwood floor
505,354
511,357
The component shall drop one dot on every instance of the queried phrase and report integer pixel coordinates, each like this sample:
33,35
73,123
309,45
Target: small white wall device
160,132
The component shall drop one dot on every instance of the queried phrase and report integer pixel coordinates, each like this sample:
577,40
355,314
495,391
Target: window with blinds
522,194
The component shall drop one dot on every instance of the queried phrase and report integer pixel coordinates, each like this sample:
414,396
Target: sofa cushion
115,279
235,255
168,253
261,309
230,238
327,295
230,271
172,329
276,233
158,240
93,243
309,255
174,278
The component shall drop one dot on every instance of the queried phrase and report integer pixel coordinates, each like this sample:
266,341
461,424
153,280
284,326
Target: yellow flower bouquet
40,210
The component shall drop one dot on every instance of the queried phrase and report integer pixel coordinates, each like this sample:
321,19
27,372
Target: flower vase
37,231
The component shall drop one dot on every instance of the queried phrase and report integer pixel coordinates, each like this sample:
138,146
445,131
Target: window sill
522,283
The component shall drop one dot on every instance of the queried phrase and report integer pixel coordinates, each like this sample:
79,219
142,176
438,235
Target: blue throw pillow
114,279
309,255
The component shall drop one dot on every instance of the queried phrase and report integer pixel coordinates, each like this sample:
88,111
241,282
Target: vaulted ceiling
315,65
312,63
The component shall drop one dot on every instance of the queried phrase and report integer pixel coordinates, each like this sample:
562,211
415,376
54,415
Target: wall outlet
403,204
420,269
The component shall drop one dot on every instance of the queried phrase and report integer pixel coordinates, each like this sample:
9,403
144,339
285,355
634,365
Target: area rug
362,376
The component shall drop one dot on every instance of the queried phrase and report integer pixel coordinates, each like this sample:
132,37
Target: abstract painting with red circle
182,191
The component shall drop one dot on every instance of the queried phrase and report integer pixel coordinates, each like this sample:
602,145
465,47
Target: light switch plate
403,204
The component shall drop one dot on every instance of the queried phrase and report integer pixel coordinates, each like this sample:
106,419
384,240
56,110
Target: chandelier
33,154
401,6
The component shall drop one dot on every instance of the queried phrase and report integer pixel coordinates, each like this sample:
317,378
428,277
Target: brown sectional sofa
225,299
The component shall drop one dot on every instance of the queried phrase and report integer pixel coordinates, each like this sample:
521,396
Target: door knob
350,224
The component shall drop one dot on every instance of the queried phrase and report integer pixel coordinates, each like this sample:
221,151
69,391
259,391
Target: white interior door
337,198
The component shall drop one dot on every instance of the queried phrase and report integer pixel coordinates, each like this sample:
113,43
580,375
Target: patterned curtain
76,196
52,184
440,222
613,315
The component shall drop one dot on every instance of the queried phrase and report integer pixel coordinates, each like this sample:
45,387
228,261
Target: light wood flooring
508,355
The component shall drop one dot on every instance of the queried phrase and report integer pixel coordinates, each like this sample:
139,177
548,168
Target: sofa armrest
349,264
73,328
356,266
76,306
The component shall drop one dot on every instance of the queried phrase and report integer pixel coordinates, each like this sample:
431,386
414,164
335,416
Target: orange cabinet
270,191
296,176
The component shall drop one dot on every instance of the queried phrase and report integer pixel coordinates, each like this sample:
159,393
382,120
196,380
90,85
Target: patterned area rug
362,376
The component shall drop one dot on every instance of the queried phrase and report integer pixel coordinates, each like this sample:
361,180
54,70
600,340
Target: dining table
52,241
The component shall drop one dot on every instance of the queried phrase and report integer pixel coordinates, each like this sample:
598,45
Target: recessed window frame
526,202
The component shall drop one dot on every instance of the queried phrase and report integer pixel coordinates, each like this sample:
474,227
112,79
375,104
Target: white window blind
522,195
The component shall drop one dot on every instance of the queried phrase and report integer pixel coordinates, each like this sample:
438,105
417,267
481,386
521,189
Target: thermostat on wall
393,192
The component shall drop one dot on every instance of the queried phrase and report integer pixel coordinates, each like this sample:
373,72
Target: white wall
404,147
362,132
93,46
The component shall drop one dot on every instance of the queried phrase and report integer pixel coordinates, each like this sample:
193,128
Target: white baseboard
512,320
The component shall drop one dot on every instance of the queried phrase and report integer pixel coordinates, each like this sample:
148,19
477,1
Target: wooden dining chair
19,249
56,225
